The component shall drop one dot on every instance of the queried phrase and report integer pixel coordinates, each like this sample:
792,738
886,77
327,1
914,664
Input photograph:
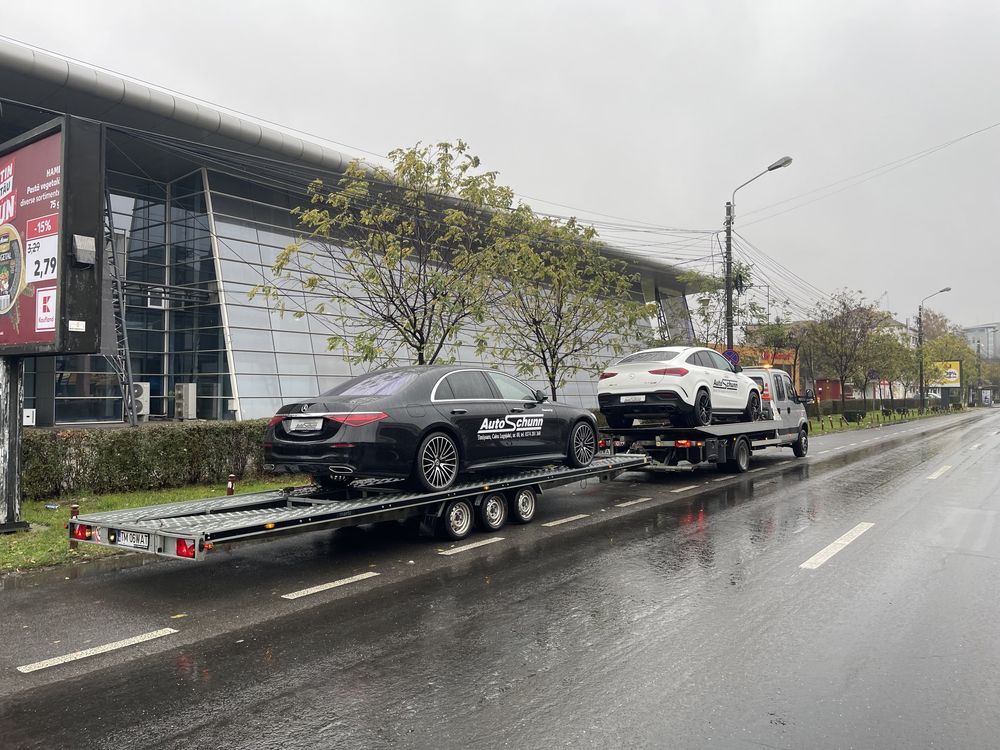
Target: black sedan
428,425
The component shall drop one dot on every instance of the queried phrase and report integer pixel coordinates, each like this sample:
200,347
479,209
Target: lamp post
782,162
920,344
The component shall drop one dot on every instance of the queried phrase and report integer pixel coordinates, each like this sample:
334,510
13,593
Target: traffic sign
731,356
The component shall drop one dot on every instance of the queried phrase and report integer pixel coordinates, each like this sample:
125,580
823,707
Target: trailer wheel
456,521
740,462
801,446
492,512
522,505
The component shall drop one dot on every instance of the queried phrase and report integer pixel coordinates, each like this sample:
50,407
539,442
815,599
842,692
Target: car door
725,384
786,403
537,427
466,399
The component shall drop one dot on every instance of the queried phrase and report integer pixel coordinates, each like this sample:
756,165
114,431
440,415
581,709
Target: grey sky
652,111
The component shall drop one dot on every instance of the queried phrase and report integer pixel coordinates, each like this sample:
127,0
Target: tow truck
188,530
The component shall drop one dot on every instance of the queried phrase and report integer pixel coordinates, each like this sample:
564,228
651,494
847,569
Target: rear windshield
659,355
375,384
758,380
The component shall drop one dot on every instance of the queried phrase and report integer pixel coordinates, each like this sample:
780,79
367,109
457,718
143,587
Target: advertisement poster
952,377
30,198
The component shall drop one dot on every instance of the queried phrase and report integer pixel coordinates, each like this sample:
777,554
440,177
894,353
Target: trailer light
82,531
679,372
357,419
268,526
208,546
682,443
602,443
605,375
185,548
342,445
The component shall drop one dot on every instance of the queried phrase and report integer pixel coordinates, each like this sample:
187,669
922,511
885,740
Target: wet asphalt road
684,620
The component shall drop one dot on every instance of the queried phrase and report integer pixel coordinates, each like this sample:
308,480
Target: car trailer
190,529
728,446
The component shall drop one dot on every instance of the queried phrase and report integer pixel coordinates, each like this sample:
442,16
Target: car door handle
516,409
459,411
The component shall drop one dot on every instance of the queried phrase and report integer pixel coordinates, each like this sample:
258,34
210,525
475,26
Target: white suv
690,385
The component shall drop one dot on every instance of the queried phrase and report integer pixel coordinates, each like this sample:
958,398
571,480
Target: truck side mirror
810,397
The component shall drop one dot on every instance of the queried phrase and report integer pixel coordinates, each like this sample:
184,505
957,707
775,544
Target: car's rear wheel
582,445
492,512
701,414
753,412
521,505
618,422
437,463
456,521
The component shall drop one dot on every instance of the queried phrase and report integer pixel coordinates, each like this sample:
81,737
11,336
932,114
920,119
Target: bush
56,462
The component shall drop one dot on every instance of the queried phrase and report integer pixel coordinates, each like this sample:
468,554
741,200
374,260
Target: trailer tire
740,462
801,446
491,515
521,504
456,521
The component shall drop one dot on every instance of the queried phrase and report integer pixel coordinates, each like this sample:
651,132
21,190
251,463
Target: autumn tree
707,294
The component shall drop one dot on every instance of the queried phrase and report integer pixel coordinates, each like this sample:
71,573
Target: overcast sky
651,111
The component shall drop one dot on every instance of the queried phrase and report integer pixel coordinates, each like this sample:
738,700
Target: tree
401,257
894,361
841,334
565,305
777,337
708,311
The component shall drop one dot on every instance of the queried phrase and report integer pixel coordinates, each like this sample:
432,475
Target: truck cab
779,400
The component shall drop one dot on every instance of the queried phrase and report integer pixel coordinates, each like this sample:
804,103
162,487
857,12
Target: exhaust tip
341,469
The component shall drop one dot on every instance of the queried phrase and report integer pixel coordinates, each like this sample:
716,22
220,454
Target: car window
444,391
375,384
657,355
468,384
779,388
705,360
695,359
720,362
510,388
789,388
759,381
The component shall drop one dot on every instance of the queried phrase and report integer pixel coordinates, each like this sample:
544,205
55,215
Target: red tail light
185,548
81,531
683,444
680,372
607,375
277,418
358,419
766,395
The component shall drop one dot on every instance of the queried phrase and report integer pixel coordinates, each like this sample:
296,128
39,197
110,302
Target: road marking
977,445
759,468
326,586
851,445
834,547
822,452
840,447
721,479
782,463
473,545
684,489
633,502
939,472
566,520
95,650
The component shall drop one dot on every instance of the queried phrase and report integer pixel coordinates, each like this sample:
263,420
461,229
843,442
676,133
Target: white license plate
132,539
305,425
632,399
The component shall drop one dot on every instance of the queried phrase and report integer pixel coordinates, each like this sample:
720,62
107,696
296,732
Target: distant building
983,339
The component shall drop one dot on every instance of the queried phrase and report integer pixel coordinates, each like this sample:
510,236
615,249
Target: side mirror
540,396
737,368
810,397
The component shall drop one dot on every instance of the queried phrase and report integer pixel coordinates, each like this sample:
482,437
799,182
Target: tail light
679,372
185,548
276,419
605,375
682,443
81,531
357,419
766,395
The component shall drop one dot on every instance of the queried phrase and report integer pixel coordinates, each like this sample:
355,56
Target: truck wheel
701,414
522,505
492,512
582,445
436,465
801,446
753,411
456,521
740,462
618,422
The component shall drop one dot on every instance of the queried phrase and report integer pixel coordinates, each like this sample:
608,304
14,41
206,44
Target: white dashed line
822,452
939,472
684,489
95,650
566,520
473,545
782,463
721,479
759,468
633,502
327,586
833,548
974,447
851,445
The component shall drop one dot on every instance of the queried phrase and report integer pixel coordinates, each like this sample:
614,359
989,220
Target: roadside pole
11,417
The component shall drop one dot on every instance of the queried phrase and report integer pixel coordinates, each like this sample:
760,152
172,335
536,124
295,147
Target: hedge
58,462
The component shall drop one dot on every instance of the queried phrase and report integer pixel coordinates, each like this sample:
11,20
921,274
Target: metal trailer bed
189,529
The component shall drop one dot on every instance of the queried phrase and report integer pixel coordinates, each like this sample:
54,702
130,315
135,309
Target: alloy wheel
439,461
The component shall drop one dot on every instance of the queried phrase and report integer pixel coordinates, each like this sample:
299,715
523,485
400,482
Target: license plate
632,399
132,539
305,425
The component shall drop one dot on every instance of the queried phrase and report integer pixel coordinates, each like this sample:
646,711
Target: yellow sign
951,377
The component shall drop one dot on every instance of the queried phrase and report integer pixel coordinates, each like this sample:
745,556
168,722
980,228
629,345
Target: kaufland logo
45,309
8,199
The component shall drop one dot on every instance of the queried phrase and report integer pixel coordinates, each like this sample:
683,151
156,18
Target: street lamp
784,161
920,343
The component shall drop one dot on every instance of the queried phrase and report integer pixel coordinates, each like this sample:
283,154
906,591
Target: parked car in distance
426,424
690,385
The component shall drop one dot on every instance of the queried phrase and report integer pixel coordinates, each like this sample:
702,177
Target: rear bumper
655,403
362,461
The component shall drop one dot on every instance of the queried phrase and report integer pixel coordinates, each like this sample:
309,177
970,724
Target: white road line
473,545
822,452
973,447
327,586
834,547
840,447
95,650
782,463
633,502
851,445
566,520
939,472
684,489
759,468
721,479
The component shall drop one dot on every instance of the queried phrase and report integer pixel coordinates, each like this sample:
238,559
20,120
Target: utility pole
729,275
920,353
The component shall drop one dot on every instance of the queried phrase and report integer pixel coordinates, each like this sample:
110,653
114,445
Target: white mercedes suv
690,385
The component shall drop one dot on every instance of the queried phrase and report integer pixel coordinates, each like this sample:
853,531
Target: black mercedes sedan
427,424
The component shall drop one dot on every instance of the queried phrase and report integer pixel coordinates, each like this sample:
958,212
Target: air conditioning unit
186,401
140,399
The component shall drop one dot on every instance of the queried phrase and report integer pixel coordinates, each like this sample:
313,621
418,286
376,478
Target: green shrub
66,461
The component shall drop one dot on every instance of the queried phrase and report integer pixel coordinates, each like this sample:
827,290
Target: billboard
50,239
951,377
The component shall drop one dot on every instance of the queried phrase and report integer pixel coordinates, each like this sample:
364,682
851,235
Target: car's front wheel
582,445
437,463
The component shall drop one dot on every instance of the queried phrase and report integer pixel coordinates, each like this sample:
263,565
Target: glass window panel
251,339
88,409
247,314
255,362
255,386
332,365
296,364
294,388
287,341
259,408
